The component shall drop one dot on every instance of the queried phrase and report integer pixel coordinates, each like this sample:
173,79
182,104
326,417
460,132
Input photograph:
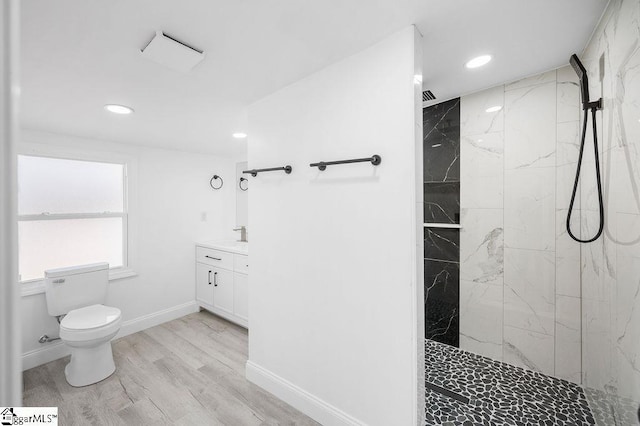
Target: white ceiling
78,55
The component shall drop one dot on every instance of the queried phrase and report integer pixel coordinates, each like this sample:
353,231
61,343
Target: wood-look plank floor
189,371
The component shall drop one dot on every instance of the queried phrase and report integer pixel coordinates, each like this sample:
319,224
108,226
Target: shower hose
599,182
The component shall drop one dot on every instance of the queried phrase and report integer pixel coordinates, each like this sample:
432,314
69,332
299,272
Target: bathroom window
70,212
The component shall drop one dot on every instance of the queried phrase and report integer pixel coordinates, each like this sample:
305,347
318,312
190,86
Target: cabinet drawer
218,258
241,263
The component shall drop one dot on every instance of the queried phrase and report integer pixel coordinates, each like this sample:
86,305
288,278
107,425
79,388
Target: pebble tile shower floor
469,389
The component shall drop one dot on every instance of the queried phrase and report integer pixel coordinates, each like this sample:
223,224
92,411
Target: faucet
243,233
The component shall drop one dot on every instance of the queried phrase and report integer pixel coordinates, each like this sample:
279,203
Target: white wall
172,193
333,300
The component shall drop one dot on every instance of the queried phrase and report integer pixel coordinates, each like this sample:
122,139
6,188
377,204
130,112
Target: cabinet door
204,283
222,289
241,296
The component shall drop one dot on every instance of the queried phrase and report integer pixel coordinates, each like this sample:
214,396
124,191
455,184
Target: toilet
76,296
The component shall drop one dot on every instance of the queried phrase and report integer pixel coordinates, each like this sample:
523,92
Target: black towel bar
254,172
322,165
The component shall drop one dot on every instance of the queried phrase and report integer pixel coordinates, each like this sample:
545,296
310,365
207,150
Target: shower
586,107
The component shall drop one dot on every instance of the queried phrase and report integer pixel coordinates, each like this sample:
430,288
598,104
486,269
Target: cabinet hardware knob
209,277
215,279
210,257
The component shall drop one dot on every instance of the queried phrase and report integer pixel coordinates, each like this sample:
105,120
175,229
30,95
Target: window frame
129,163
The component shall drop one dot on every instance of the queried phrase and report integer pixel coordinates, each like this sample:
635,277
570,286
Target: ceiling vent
427,96
177,55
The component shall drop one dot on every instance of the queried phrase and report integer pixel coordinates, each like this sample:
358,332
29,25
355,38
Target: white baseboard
58,349
156,318
297,397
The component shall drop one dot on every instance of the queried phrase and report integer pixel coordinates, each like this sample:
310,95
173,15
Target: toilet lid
93,316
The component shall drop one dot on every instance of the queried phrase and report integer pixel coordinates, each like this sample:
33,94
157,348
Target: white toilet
88,326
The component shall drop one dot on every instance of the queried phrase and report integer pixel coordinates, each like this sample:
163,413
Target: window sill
118,274
33,287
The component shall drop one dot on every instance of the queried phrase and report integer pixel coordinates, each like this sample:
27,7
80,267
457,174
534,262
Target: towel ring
215,177
242,179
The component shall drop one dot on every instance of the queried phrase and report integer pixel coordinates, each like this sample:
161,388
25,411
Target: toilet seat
89,323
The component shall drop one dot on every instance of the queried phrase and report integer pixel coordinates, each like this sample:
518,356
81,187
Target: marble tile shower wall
610,267
519,272
529,294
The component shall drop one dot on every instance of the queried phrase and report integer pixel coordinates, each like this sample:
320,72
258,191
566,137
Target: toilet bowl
76,296
88,332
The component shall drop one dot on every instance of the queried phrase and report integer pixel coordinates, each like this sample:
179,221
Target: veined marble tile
474,118
442,312
481,318
481,246
624,130
626,316
529,290
568,95
623,30
597,264
588,176
627,333
610,273
530,127
441,141
529,208
625,81
621,179
628,244
482,171
567,152
610,241
528,349
441,202
568,335
597,345
442,244
626,410
567,255
537,79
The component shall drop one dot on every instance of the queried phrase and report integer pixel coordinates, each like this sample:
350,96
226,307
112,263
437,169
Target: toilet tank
75,287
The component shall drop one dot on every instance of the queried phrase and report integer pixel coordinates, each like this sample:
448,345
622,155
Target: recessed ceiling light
494,108
239,135
478,61
118,109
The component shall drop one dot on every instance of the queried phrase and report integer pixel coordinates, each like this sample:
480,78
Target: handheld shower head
584,80
593,107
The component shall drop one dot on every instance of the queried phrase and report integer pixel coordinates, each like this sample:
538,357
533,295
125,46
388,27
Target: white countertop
230,246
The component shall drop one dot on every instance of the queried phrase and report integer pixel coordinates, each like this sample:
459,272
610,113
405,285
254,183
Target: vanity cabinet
204,287
222,283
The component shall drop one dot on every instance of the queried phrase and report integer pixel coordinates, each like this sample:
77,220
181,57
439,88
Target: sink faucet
243,233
